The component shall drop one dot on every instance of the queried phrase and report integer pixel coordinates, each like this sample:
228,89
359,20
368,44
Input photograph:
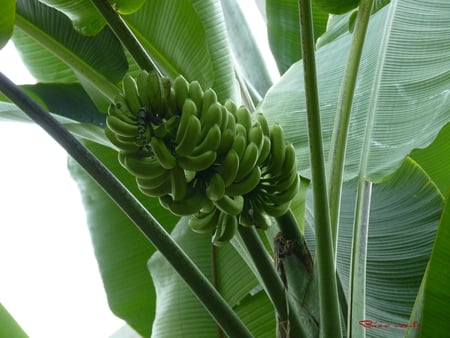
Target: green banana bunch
217,163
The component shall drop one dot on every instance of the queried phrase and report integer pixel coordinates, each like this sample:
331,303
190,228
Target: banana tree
357,127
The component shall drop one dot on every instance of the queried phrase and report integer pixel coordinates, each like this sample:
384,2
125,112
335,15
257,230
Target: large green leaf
188,37
99,58
120,248
85,18
404,215
8,325
284,30
402,98
434,160
7,21
180,314
432,305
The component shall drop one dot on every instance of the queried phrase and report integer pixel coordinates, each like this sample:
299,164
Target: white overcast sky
49,279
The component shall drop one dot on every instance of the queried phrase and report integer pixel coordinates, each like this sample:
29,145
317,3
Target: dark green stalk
271,281
125,35
338,145
330,323
149,226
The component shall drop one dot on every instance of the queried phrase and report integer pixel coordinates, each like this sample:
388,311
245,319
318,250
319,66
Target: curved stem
125,35
330,323
339,139
147,224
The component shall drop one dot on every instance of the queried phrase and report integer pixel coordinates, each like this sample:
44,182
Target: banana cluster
214,162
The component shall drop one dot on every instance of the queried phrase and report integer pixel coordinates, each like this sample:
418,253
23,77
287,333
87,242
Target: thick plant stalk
272,282
339,139
125,35
189,272
330,323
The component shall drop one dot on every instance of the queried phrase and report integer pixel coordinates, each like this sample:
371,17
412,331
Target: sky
49,279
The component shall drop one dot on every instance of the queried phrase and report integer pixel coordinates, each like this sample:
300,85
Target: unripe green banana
131,94
245,185
241,130
163,153
120,108
121,127
204,222
287,172
287,194
263,122
209,97
190,138
230,205
154,181
191,204
213,116
244,117
210,142
248,161
226,229
146,94
146,167
189,109
231,106
121,145
216,187
166,87
198,162
181,87
277,148
264,152
225,116
226,141
196,94
256,136
231,120
275,210
171,126
179,184
229,167
164,189
239,145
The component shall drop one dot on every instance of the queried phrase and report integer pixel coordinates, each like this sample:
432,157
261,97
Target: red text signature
370,324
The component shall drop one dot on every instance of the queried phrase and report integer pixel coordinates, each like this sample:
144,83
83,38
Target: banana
189,109
163,153
225,116
275,210
166,87
209,97
198,162
287,172
231,121
204,222
121,145
120,108
216,187
191,204
131,94
164,189
196,94
263,122
286,195
190,138
248,161
277,148
226,229
171,126
181,87
146,167
255,135
231,106
239,145
153,182
179,184
244,117
213,116
264,152
229,167
211,141
226,141
241,130
246,185
144,91
230,205
121,127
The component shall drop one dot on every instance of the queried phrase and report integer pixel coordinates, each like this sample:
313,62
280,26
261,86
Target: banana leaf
7,21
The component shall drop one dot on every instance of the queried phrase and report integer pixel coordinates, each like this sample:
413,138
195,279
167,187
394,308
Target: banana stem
149,226
271,281
330,322
340,132
125,35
